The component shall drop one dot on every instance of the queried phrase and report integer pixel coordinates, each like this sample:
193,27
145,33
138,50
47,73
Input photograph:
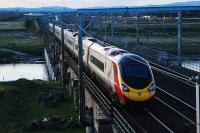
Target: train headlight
152,88
125,89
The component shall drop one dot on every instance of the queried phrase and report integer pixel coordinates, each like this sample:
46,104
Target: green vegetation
29,24
15,37
12,25
4,54
26,44
169,45
19,105
156,35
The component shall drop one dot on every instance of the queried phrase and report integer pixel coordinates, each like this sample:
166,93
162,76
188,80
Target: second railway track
167,113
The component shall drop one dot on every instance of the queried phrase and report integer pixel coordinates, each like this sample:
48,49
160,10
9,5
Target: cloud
83,3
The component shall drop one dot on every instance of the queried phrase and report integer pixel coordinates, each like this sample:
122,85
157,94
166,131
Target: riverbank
20,42
19,106
32,45
12,56
21,47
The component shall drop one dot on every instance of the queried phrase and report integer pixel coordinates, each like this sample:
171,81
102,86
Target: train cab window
97,62
135,74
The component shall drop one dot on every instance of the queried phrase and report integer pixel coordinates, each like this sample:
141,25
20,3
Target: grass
12,25
32,45
170,45
160,37
29,45
4,54
19,105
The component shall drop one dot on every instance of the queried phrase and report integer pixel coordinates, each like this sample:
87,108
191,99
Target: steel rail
169,70
174,97
159,121
179,78
116,119
123,124
167,105
104,103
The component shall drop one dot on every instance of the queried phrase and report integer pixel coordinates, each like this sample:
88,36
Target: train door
108,74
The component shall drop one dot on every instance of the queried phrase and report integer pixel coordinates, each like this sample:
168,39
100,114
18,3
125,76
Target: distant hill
190,3
38,10
66,9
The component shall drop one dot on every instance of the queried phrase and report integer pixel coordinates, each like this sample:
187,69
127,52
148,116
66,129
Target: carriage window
97,62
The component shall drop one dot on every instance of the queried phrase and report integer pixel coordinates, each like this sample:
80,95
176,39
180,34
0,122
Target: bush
2,91
29,24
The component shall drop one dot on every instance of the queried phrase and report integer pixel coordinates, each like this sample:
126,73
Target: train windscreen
135,74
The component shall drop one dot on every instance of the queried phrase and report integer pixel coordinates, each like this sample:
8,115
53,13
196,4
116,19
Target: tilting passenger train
127,77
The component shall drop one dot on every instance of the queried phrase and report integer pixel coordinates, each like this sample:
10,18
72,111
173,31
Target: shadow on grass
19,105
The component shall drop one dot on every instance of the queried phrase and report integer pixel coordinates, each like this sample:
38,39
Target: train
127,77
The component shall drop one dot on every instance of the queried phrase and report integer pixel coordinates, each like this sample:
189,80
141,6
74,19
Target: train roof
122,57
112,52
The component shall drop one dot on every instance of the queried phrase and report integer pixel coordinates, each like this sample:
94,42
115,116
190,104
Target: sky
83,3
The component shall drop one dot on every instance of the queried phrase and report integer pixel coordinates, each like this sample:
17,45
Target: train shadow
138,106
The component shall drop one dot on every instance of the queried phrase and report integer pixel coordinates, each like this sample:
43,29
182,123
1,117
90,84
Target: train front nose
136,79
138,95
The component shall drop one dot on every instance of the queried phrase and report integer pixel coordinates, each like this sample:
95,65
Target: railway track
138,119
175,75
119,116
172,118
150,122
182,111
180,107
166,113
180,115
160,123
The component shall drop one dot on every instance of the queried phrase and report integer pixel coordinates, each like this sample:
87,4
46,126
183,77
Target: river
10,72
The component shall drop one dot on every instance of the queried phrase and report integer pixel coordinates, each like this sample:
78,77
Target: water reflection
10,72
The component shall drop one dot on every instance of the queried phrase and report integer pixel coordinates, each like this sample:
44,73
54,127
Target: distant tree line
188,14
